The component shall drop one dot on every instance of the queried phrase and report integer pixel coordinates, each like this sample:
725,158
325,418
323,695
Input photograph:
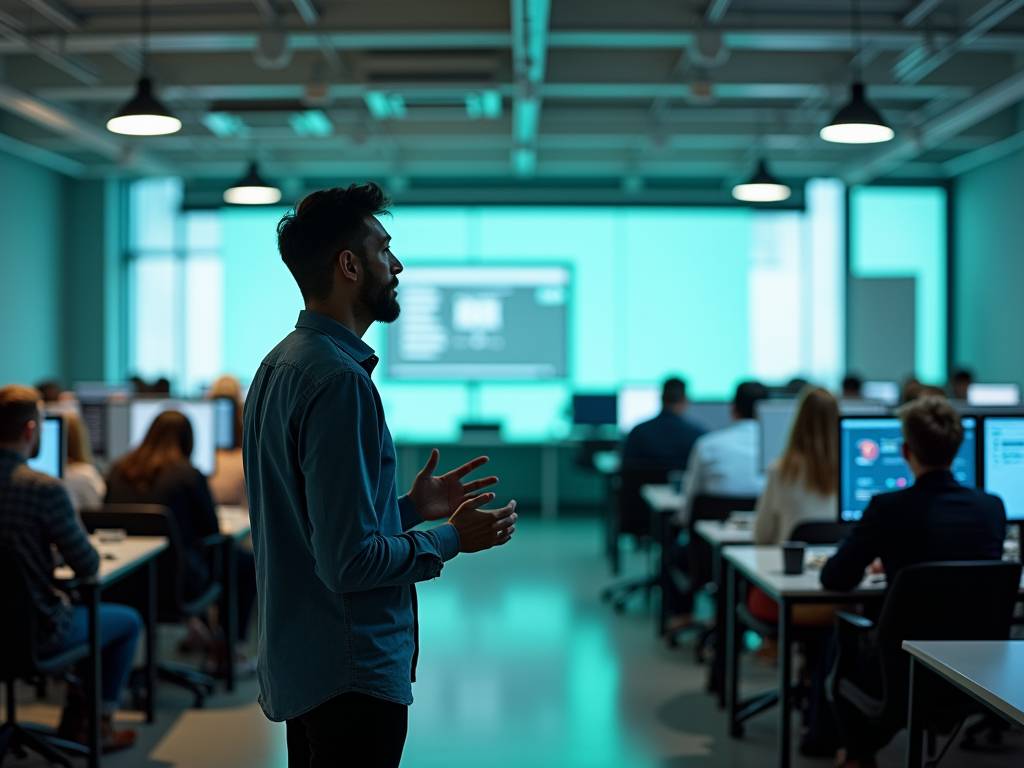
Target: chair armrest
850,628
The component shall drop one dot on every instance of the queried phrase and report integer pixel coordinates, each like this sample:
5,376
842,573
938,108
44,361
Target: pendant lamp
143,115
762,188
857,123
252,189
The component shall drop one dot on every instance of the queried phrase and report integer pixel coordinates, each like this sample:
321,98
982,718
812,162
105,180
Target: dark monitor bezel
614,397
978,457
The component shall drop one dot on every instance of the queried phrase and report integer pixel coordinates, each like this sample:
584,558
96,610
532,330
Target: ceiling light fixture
251,189
858,122
762,188
144,115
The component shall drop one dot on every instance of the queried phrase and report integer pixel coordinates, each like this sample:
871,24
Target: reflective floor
521,665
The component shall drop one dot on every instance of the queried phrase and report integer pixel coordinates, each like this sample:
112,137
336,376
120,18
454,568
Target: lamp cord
858,46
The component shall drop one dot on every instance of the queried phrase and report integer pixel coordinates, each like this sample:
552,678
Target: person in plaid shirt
35,513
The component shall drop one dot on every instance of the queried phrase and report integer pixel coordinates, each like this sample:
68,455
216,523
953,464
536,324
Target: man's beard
378,298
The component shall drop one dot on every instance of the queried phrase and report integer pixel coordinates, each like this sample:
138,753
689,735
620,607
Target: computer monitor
53,447
224,409
776,420
709,415
638,403
202,415
1003,461
887,392
993,394
594,409
871,461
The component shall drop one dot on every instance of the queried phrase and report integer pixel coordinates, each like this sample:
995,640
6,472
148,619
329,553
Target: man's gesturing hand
481,529
436,498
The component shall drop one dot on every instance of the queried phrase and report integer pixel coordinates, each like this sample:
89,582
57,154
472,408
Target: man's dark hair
852,385
747,394
962,375
18,406
673,392
321,226
932,430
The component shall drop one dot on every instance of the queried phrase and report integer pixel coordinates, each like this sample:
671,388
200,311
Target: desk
719,534
117,560
664,501
762,566
989,671
234,526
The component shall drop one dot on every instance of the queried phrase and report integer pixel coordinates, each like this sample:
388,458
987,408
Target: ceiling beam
311,16
919,13
56,13
43,157
79,69
529,63
979,157
795,40
934,132
716,11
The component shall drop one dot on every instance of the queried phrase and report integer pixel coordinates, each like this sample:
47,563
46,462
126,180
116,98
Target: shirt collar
6,454
350,344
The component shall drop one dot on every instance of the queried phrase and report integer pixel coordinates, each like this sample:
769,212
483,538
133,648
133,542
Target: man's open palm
436,498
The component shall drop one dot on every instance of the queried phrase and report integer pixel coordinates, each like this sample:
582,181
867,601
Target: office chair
172,603
19,659
632,515
929,601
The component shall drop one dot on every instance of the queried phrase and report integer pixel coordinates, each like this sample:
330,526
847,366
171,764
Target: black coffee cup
793,557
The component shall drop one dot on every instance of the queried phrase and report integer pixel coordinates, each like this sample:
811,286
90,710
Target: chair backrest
18,619
821,533
147,520
634,512
970,600
710,508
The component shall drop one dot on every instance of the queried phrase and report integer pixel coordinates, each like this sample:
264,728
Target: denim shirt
335,556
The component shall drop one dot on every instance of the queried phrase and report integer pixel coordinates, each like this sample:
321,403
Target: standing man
336,556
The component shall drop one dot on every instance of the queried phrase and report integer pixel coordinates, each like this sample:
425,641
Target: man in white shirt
726,462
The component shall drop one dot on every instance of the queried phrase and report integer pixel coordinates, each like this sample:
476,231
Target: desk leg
915,724
93,679
717,682
785,675
231,628
732,653
149,620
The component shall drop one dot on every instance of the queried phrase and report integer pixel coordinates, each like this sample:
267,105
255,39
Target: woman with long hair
802,483
82,480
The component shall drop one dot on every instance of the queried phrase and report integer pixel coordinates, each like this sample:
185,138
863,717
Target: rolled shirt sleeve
339,451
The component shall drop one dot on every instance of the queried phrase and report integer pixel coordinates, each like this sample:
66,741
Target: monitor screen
887,392
993,394
475,321
871,461
200,413
776,420
1003,466
594,409
709,415
637,404
224,408
53,448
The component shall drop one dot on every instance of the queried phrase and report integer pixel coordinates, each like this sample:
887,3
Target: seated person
35,515
852,386
665,441
82,480
959,383
725,462
934,519
159,471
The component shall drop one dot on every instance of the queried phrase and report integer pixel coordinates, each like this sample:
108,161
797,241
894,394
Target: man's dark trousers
352,729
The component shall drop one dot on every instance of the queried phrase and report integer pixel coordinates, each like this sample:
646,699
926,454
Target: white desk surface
662,498
117,557
234,521
722,533
991,670
763,566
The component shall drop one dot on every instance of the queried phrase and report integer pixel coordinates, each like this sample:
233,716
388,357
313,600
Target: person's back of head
229,387
932,431
747,395
959,382
19,405
852,386
79,449
813,448
50,390
168,442
323,225
673,395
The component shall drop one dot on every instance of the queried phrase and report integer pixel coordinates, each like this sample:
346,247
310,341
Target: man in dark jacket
934,519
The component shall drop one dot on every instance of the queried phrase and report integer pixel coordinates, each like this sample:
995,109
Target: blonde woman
82,480
802,484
